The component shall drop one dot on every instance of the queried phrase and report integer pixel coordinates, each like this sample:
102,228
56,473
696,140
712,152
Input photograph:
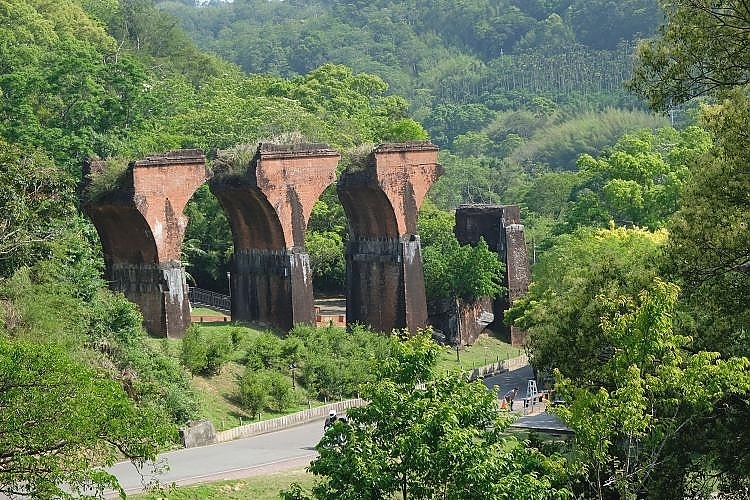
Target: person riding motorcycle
330,419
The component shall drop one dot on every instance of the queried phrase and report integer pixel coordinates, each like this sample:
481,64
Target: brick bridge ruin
268,203
501,228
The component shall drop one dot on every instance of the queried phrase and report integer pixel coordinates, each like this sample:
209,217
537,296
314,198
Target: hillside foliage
637,227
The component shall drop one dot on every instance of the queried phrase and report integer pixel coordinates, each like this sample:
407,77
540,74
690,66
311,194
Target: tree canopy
583,277
424,436
61,420
701,49
638,182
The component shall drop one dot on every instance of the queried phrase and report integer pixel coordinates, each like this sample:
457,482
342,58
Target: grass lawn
265,487
204,311
486,350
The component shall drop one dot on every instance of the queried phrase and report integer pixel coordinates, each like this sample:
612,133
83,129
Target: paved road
290,448
534,417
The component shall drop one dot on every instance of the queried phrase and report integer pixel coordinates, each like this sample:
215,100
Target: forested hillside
640,291
512,91
460,65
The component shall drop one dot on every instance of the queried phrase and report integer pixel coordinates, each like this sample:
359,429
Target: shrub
281,395
264,352
335,362
253,391
202,355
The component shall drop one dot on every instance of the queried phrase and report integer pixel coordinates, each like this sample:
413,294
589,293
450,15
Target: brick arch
381,196
268,205
369,212
252,218
141,226
125,235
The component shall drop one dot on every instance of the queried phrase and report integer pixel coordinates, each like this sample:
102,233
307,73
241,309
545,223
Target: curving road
286,449
281,450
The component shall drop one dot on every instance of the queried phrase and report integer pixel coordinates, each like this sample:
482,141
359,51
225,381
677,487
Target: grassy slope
218,403
217,394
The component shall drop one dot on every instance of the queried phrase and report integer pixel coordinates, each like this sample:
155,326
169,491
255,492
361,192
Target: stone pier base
273,287
161,292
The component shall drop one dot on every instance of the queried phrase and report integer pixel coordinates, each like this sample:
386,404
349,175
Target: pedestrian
509,396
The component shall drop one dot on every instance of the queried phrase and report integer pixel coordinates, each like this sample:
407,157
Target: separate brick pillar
141,226
268,203
381,197
500,226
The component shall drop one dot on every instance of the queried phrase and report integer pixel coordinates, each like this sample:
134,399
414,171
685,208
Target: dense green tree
441,439
468,272
583,277
701,49
264,352
204,355
468,180
700,52
615,21
60,418
638,182
253,391
35,199
435,226
658,424
335,362
439,53
105,327
709,241
327,260
558,147
65,88
548,35
549,192
207,247
453,271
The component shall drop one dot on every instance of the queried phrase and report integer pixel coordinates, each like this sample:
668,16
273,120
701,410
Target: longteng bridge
268,203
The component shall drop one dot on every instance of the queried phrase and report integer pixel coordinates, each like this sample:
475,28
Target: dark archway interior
369,212
126,237
254,222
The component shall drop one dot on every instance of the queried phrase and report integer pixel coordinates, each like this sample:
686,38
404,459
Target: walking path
533,417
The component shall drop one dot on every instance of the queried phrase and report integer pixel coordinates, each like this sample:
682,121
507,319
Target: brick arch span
252,218
125,235
369,212
381,197
268,204
141,226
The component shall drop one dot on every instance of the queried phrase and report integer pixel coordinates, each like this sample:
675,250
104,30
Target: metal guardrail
213,300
